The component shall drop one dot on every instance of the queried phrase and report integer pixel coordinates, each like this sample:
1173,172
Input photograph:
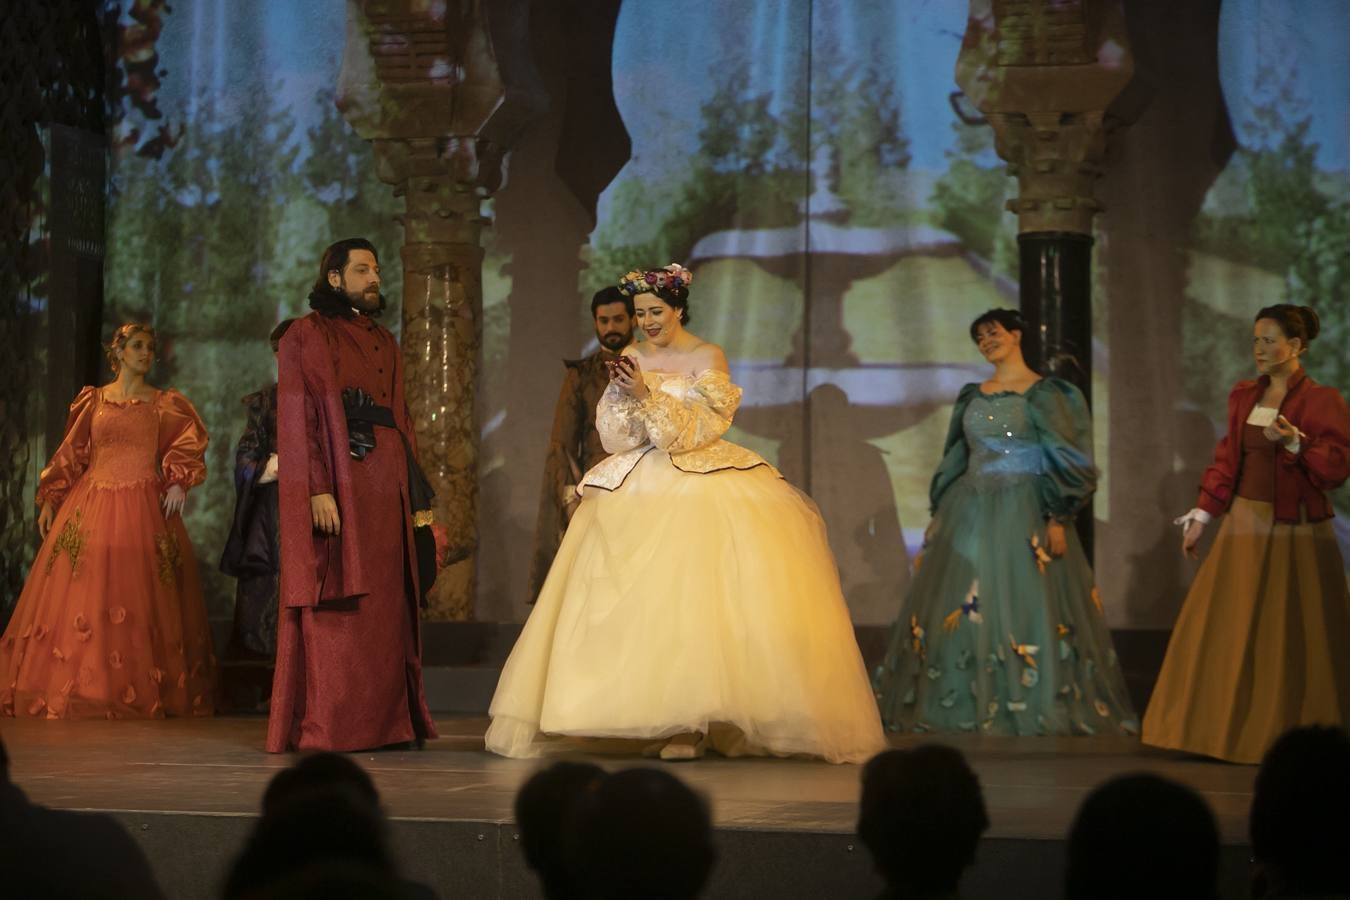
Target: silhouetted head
921,817
317,771
642,833
544,810
336,880
307,828
1142,836
1300,827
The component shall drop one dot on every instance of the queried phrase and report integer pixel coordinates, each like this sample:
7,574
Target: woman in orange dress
111,621
1260,646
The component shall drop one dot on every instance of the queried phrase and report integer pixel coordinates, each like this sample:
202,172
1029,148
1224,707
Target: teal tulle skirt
996,636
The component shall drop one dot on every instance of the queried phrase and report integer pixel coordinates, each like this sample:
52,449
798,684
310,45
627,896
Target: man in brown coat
574,446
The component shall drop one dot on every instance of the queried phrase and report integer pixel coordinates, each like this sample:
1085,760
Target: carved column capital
1044,72
1056,158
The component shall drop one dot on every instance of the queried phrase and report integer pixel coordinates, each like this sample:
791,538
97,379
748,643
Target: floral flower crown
672,276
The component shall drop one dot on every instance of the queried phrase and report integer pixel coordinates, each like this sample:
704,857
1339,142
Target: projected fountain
828,255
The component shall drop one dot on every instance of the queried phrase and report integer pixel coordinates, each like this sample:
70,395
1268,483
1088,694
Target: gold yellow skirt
1262,643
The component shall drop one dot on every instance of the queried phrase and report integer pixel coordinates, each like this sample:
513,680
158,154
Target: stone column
1044,72
424,83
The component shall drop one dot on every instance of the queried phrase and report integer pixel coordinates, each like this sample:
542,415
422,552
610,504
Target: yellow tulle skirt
683,603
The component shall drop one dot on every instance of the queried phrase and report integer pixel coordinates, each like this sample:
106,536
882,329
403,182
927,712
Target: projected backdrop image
807,161
844,226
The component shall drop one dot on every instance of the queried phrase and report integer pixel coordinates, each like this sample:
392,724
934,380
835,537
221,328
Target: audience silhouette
640,833
1142,836
38,844
921,817
1300,816
545,807
321,828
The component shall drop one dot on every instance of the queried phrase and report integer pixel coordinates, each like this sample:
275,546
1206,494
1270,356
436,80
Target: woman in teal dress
1002,630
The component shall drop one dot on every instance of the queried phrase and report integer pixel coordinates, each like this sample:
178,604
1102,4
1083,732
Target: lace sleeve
700,418
618,420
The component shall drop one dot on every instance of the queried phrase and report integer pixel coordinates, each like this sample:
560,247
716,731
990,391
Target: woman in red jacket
1260,645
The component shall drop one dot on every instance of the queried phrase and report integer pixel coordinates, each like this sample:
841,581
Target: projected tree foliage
219,240
780,105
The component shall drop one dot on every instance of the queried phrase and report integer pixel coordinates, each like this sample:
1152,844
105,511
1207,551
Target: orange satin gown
111,622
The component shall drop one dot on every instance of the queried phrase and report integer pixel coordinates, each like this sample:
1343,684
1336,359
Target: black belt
368,413
363,413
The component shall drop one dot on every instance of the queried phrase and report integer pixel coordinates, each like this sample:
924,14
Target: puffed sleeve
1324,451
619,422
1059,414
700,418
72,457
955,453
182,441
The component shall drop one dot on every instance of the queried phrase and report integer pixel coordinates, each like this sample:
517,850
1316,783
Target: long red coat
349,671
1301,479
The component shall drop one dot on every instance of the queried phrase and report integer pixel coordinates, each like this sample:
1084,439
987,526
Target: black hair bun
1312,323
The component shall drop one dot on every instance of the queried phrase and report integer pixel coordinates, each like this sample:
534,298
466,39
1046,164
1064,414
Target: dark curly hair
676,298
1010,319
333,301
1300,322
606,296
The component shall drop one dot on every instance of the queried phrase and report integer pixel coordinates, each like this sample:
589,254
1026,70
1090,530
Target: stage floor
158,776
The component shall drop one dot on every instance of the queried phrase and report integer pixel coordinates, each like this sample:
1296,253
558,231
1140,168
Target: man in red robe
348,672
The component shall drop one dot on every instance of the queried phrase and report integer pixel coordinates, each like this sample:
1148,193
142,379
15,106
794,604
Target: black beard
335,303
614,341
360,301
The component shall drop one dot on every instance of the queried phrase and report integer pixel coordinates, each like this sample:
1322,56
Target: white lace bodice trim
684,416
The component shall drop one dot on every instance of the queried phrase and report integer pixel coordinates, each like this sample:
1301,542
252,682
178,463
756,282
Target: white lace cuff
1195,515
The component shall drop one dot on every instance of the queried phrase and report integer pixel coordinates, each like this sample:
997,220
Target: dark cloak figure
253,554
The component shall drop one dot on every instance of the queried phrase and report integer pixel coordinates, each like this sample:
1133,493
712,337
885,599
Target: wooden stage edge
189,789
